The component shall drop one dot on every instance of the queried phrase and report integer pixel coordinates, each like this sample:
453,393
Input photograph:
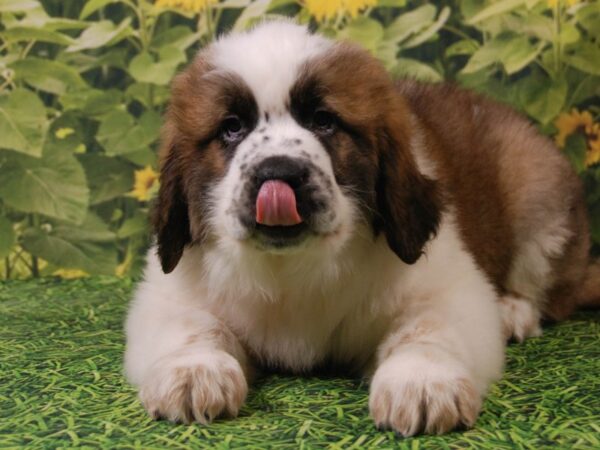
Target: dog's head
281,140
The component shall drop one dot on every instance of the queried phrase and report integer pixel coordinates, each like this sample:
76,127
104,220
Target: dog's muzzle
283,201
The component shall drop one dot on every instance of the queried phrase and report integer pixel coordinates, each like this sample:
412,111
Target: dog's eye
323,121
232,128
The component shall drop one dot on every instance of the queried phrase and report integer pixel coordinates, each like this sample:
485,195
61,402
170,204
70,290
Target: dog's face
280,140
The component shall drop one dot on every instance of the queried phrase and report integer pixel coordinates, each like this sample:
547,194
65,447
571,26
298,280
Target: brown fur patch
192,156
507,183
371,155
467,165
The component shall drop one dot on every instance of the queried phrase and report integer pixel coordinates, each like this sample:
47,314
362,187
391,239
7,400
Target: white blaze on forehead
268,58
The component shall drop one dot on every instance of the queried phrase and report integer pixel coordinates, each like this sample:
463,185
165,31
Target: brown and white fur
440,224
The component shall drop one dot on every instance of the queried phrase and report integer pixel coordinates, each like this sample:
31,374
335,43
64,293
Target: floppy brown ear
171,219
408,203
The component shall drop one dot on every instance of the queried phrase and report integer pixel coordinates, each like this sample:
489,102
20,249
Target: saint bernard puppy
312,212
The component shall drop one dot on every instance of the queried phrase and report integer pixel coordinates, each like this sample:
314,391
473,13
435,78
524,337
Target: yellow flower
194,6
569,123
583,123
593,154
326,9
553,3
145,180
70,274
63,133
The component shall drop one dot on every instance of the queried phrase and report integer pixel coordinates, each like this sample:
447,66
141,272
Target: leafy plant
83,86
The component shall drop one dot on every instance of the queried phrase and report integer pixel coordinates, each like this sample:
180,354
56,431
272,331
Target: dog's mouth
278,223
281,236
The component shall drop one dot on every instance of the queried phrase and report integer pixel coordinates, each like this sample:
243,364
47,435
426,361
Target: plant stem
7,268
27,49
151,96
35,269
208,12
557,43
458,32
20,256
139,11
34,221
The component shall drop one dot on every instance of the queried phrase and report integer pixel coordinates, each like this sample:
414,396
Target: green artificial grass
61,386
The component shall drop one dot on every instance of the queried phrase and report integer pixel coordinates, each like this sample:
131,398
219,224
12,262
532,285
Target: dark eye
323,121
232,128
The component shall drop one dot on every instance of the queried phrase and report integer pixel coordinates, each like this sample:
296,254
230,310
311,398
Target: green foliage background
83,85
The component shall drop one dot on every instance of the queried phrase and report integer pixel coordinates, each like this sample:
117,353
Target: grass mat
61,386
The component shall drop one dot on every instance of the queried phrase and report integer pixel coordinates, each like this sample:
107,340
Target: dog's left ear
408,203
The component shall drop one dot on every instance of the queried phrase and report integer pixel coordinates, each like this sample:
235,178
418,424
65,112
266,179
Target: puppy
313,212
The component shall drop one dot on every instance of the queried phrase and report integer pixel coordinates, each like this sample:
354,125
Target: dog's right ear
170,216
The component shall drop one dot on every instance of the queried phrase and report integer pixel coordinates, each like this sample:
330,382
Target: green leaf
91,6
93,229
116,57
113,131
588,16
411,22
53,185
47,75
519,53
365,31
8,237
92,102
103,33
180,37
143,68
584,56
428,32
541,97
108,178
588,87
18,5
496,8
533,25
147,94
23,122
514,51
38,18
134,226
250,13
411,68
120,135
488,54
69,247
18,34
575,150
142,157
462,47
569,34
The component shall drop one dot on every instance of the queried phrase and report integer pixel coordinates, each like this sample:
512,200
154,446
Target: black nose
293,171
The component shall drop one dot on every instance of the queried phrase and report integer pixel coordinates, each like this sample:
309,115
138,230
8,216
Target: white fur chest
297,316
300,330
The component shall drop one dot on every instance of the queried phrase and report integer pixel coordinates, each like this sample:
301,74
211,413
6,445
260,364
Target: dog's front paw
194,387
412,393
520,318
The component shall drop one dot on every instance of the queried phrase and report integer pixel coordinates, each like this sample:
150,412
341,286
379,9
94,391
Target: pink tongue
276,204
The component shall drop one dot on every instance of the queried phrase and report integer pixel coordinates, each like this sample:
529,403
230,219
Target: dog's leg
188,365
436,364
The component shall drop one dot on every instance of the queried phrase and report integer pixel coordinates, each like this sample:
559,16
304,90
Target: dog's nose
292,171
